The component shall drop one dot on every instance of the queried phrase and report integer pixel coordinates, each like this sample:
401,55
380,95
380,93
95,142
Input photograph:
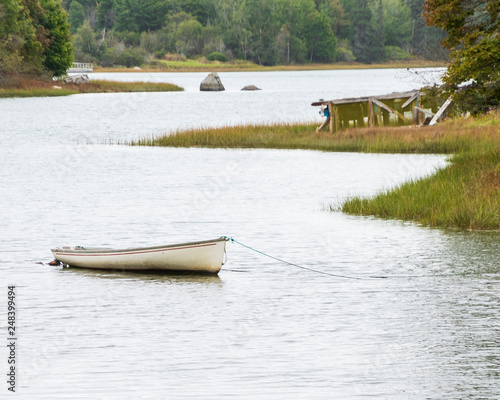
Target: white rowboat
195,257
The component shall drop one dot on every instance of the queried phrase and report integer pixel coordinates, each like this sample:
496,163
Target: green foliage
34,34
188,37
76,15
59,55
395,53
321,42
266,32
216,56
344,55
106,14
366,42
425,40
131,57
85,43
397,23
473,29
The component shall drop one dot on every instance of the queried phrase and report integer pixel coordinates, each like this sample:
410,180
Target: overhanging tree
473,29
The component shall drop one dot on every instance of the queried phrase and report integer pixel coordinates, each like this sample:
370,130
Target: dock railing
81,67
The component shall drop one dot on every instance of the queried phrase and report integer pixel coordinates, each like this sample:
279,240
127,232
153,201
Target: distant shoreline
195,66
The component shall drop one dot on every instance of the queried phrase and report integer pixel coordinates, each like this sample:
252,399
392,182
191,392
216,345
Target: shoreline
194,66
50,88
464,195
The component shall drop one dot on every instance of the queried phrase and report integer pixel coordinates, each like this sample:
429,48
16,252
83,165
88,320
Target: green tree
425,40
335,12
85,42
137,15
321,41
474,38
76,15
397,24
261,23
106,14
291,41
10,37
9,17
59,54
188,35
366,45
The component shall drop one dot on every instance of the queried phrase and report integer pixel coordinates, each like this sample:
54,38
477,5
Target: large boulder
212,83
78,79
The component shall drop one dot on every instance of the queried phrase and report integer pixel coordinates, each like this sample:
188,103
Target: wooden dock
399,108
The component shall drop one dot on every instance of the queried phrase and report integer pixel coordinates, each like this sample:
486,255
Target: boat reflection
154,276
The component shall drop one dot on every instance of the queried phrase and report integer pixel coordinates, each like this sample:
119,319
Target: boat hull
195,257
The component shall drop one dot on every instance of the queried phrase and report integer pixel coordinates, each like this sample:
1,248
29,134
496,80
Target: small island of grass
22,87
465,194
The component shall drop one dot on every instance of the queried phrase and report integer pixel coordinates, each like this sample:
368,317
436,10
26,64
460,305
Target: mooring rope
343,276
300,266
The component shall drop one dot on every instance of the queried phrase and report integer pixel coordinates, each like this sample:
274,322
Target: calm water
261,329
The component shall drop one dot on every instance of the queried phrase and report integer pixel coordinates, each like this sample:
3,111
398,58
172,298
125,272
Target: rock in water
251,87
212,83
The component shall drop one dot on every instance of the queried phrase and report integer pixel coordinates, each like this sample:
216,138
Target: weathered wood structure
400,108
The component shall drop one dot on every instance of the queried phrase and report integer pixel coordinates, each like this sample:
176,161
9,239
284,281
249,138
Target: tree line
34,36
267,32
40,36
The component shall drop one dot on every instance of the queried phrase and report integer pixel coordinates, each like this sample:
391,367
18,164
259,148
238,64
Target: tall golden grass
452,137
23,87
465,194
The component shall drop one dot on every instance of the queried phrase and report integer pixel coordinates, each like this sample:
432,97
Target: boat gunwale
136,250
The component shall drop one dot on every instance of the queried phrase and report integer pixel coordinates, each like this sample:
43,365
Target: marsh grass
35,92
104,86
41,88
239,65
465,194
457,136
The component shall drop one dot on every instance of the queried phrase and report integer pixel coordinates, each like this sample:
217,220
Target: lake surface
261,329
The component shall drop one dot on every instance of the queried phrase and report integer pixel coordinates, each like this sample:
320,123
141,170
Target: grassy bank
453,137
42,88
103,86
466,194
238,65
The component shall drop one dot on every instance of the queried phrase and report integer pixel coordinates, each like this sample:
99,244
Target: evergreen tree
59,54
76,15
106,14
425,40
365,43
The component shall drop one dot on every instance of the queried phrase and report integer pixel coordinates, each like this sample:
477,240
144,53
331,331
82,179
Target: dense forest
34,37
267,32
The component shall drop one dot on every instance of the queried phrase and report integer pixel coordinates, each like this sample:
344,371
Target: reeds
40,88
239,65
465,194
441,139
104,86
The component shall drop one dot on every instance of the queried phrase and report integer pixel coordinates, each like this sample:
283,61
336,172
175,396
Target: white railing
82,66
